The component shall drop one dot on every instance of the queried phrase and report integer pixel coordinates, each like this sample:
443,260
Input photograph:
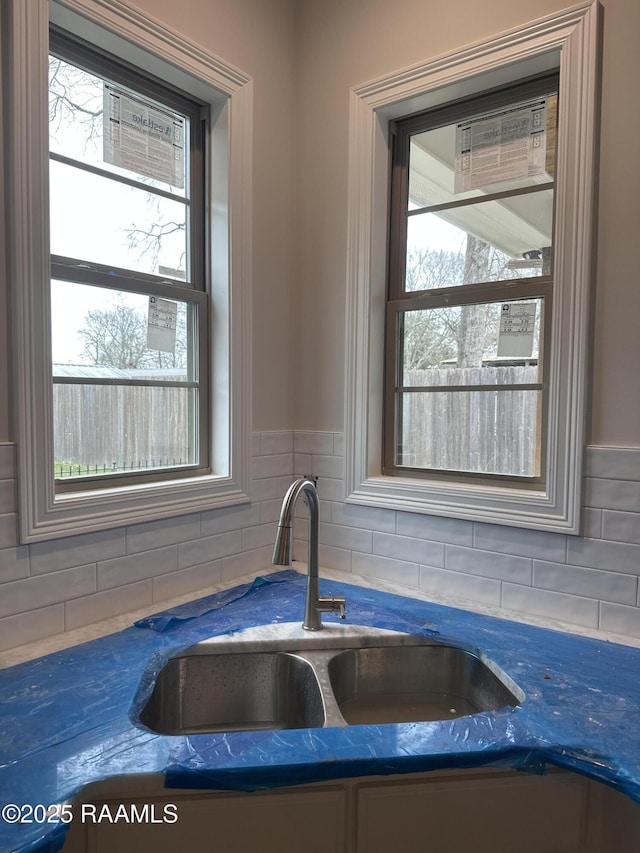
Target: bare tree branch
73,96
117,337
149,240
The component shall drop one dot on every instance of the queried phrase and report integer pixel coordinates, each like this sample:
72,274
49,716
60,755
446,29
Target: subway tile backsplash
591,580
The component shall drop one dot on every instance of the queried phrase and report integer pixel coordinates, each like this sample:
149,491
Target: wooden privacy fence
117,427
486,431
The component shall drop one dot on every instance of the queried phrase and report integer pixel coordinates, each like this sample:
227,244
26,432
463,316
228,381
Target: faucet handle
335,604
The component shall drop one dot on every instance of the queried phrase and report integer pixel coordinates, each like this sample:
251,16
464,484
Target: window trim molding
569,39
42,513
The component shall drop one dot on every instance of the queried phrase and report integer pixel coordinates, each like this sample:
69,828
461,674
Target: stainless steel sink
410,683
347,676
234,692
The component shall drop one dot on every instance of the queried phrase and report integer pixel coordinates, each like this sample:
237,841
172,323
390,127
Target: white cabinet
481,810
313,821
491,814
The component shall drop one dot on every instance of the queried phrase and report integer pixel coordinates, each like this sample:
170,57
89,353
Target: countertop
69,718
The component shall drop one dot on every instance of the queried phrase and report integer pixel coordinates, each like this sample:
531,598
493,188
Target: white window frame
568,41
139,39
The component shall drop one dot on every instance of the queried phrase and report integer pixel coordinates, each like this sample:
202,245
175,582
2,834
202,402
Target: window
470,288
439,382
129,302
131,338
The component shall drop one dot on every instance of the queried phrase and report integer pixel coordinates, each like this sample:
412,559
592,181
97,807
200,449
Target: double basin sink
342,676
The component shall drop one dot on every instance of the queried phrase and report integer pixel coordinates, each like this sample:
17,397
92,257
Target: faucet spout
282,553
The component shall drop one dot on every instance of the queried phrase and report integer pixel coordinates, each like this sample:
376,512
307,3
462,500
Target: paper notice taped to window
162,324
141,136
517,328
506,145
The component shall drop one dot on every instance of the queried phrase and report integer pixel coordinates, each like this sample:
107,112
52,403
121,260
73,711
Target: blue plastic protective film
72,718
175,616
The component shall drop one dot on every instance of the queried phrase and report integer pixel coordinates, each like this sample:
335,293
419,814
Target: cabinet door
312,821
494,815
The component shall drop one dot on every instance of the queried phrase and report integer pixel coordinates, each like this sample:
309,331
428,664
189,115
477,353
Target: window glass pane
98,332
488,432
127,350
76,128
490,241
502,150
97,219
495,343
106,429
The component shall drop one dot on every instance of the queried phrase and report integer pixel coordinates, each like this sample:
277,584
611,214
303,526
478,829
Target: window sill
491,504
89,511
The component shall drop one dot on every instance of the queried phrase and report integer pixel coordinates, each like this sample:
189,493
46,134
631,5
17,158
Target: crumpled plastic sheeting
70,718
175,616
314,755
586,688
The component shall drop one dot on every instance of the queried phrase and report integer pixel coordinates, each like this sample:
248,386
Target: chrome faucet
282,553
